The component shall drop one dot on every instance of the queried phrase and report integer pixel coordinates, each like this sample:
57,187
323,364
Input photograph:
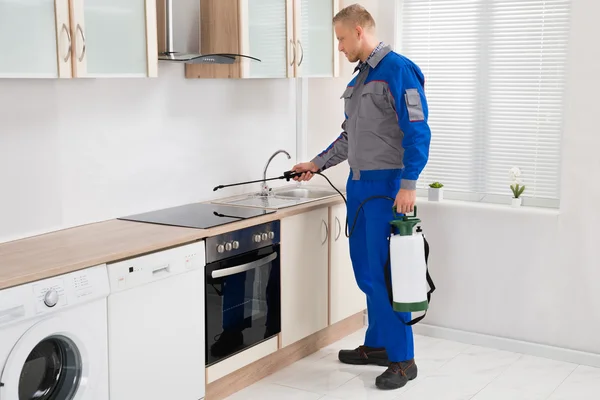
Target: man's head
355,30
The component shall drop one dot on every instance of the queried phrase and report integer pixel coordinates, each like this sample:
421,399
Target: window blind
495,77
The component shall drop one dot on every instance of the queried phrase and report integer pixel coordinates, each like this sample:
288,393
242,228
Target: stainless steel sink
281,197
304,193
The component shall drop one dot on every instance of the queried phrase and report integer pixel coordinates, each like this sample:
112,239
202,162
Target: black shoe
364,355
397,375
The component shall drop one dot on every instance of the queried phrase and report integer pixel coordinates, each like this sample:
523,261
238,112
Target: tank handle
405,217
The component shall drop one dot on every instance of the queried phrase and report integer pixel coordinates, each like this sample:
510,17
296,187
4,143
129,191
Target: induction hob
197,215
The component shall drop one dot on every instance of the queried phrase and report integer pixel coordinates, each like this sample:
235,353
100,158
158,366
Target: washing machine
53,338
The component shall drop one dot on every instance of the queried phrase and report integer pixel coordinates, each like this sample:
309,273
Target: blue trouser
369,253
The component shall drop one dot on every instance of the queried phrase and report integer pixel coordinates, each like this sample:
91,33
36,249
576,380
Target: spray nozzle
287,175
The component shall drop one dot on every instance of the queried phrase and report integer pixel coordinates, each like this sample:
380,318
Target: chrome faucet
265,188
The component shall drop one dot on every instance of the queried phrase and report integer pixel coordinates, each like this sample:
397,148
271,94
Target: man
386,140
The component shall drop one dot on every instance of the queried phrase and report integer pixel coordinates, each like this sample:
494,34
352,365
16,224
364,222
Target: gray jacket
386,120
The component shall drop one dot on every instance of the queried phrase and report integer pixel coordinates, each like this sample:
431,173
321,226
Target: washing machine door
49,362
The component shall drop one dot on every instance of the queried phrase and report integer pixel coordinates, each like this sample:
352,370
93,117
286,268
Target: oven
243,300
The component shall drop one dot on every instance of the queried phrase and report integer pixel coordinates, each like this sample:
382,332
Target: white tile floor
447,371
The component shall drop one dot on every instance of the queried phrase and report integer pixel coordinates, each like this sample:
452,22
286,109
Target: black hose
346,202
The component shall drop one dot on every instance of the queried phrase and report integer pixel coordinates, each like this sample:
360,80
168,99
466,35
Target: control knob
51,298
236,245
271,235
220,248
264,236
257,238
228,246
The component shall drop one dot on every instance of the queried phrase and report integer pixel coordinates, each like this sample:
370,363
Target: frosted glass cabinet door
267,34
110,37
315,38
28,38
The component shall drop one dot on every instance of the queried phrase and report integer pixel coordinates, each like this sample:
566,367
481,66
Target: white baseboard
515,346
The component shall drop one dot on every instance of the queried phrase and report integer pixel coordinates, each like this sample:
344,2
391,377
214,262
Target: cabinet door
35,39
317,54
114,38
346,299
304,275
267,34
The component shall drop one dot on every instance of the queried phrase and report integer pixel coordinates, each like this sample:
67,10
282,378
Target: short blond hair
356,14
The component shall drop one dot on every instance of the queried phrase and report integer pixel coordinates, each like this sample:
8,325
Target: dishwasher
156,325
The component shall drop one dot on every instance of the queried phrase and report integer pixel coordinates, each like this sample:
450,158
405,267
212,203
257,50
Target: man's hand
308,168
405,201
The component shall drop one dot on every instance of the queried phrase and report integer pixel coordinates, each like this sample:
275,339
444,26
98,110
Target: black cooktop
198,215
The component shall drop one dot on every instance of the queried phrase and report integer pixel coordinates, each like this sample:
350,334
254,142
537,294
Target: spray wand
287,175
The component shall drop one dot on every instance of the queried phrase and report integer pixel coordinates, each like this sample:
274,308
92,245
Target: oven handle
244,267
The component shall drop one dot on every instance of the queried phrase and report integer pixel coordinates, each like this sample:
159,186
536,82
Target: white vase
435,194
516,202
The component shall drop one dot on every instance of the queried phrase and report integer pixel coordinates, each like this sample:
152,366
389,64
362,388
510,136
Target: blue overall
386,140
369,254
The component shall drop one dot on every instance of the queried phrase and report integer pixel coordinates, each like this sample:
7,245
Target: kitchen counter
40,257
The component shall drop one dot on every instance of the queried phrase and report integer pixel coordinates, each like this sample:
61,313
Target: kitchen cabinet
292,38
346,299
77,38
266,33
29,32
315,38
304,274
114,38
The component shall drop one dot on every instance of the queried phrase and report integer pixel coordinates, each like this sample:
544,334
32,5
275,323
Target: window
494,80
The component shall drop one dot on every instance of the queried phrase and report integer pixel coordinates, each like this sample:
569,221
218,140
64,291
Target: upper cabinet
267,34
119,38
315,38
292,38
114,38
34,38
78,38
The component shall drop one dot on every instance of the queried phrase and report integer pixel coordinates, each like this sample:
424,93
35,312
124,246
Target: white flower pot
436,194
516,202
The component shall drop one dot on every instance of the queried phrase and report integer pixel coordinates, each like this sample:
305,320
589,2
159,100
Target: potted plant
516,186
436,193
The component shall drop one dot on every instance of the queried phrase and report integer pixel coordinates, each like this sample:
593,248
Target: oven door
242,302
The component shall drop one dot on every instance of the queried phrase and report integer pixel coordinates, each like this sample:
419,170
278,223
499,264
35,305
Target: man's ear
359,31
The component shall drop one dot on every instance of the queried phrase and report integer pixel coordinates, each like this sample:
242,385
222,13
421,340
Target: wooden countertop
40,257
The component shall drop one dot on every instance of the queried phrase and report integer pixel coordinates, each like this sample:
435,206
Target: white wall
525,274
79,151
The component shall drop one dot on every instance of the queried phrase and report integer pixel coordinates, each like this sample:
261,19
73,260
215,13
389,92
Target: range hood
191,58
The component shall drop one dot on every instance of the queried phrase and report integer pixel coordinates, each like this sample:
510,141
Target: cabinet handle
293,52
66,29
82,38
326,232
302,54
339,228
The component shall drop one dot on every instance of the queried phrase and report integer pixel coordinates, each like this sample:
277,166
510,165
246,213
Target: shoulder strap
429,281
